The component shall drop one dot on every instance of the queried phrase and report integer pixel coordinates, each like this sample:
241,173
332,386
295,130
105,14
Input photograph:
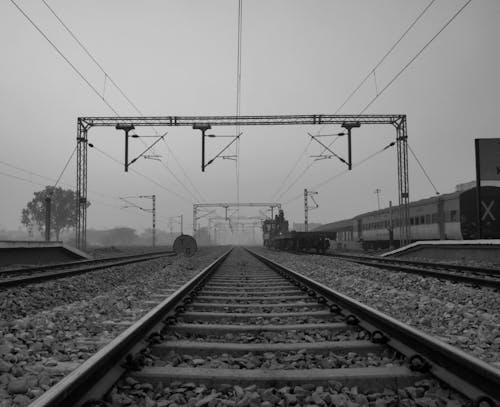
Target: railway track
247,331
20,276
483,277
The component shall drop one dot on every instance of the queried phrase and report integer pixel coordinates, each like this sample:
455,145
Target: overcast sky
298,57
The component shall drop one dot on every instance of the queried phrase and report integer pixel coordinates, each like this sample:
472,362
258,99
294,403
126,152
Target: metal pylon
403,182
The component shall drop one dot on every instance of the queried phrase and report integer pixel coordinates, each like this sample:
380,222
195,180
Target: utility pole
391,227
378,191
154,220
47,218
308,194
153,211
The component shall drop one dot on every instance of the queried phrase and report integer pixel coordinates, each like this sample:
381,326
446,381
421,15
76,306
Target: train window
434,218
412,221
453,216
416,220
427,219
422,219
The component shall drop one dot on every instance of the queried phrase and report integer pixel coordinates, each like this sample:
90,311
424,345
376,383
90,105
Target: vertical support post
478,190
154,220
126,128
203,150
182,225
47,218
403,182
306,212
349,126
349,149
81,185
203,127
126,150
194,218
391,227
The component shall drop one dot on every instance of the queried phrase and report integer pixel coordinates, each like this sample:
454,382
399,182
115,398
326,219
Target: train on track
449,216
443,217
277,236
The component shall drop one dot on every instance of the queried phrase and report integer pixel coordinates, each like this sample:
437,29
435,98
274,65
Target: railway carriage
446,217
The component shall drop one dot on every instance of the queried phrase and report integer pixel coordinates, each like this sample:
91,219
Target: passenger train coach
445,217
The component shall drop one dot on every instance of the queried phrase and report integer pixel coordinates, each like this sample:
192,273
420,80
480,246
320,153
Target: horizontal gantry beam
268,120
228,205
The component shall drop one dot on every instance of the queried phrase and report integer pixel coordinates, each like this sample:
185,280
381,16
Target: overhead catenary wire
64,169
200,196
93,200
106,75
238,99
92,87
142,175
42,33
32,173
423,169
392,48
379,93
304,170
296,163
414,58
338,175
377,65
296,179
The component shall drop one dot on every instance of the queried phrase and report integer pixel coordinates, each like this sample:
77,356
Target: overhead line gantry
347,121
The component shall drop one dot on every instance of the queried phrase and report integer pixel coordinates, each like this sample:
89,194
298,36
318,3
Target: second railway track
21,276
478,276
247,332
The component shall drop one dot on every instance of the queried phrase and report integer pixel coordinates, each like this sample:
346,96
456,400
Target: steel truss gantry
226,206
397,120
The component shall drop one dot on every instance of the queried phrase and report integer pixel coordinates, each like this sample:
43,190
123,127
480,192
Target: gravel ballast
49,329
424,393
461,315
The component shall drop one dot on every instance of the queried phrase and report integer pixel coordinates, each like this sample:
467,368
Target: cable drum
185,244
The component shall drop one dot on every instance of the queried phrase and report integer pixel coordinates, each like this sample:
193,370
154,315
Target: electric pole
308,194
378,191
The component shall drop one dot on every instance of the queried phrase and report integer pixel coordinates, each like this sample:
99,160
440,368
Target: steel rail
97,375
47,275
52,266
466,374
430,269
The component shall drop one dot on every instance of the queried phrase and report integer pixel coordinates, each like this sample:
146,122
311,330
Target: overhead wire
142,175
423,169
185,175
238,100
64,57
379,93
372,71
108,76
455,15
93,200
291,170
32,173
89,54
330,179
296,179
66,166
101,96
